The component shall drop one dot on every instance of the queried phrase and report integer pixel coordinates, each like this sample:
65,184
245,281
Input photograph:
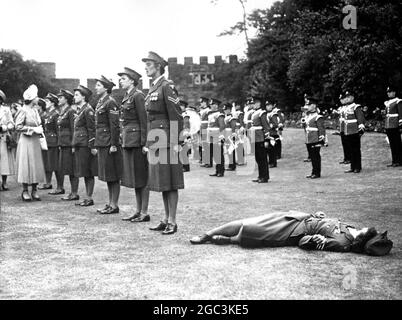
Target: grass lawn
55,250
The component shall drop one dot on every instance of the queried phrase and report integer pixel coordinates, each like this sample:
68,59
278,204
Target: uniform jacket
276,229
107,129
341,112
259,125
134,119
84,127
216,124
239,119
354,118
65,127
50,129
274,120
315,129
393,113
247,118
162,106
230,124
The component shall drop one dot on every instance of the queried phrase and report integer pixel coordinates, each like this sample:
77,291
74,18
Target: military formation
145,142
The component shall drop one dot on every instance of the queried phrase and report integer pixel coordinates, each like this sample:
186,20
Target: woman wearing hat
134,136
30,170
7,152
52,154
165,123
86,162
65,131
107,132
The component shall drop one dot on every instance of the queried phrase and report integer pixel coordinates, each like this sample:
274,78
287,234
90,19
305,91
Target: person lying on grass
294,228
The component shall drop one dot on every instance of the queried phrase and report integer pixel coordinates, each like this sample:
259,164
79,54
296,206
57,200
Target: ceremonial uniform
83,141
65,131
315,135
393,121
50,131
107,132
278,145
162,106
206,155
273,123
354,126
134,137
258,133
215,135
230,132
342,125
239,116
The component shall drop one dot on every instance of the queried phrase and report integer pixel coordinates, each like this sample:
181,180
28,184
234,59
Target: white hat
31,93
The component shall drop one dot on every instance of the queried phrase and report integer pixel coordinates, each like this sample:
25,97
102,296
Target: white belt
392,115
351,121
256,128
311,129
213,129
204,121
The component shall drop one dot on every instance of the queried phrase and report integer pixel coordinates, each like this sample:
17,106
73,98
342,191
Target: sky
87,38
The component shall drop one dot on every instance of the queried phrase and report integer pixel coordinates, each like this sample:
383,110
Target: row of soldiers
256,129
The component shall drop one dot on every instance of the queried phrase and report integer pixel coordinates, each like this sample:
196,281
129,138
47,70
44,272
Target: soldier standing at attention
107,132
230,133
354,129
278,145
393,122
315,136
165,169
134,136
345,146
216,127
240,131
86,162
206,155
52,154
65,132
259,132
273,122
187,137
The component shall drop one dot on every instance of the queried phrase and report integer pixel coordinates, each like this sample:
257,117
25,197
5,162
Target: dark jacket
162,106
84,127
107,127
134,120
50,129
283,228
65,127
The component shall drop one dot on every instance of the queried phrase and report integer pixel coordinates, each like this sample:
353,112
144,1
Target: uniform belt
152,117
213,128
256,128
204,121
392,115
351,121
311,129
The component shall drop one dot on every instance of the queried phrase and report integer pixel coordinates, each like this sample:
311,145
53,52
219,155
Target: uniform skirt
30,167
86,164
7,158
66,161
165,170
110,165
135,168
51,159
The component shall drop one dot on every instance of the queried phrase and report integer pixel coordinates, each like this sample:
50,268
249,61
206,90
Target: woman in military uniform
86,162
165,170
52,153
107,132
65,131
134,137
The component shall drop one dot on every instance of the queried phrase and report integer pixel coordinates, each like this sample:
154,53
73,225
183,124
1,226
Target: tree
16,75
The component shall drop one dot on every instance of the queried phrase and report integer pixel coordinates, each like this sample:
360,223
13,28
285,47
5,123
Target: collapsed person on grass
293,228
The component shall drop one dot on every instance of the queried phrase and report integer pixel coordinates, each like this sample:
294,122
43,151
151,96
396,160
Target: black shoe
134,216
357,171
25,196
110,210
160,227
220,175
170,229
85,203
230,169
46,187
104,209
200,239
34,196
55,192
263,181
4,188
213,175
220,240
390,165
349,171
70,197
394,165
307,160
142,218
315,176
342,162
